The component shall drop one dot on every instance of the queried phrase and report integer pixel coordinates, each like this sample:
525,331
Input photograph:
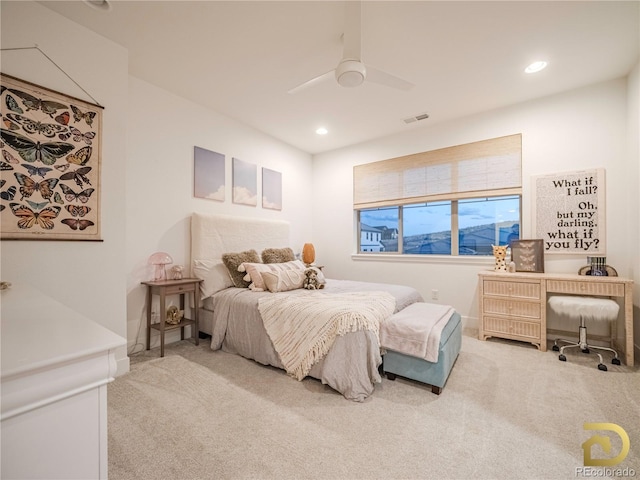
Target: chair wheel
602,366
586,350
615,361
555,348
562,358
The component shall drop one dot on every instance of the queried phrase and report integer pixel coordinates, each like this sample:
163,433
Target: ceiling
240,58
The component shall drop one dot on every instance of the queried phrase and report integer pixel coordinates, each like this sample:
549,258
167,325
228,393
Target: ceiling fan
351,71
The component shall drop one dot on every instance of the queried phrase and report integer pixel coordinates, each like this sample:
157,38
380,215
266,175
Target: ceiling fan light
350,79
350,73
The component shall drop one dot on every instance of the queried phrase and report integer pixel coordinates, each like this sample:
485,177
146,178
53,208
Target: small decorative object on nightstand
159,260
176,272
162,288
174,316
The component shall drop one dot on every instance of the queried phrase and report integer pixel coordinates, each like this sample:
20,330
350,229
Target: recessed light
322,131
99,4
536,67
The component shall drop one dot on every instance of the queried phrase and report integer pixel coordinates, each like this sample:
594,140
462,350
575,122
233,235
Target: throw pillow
214,275
277,255
254,271
233,260
284,280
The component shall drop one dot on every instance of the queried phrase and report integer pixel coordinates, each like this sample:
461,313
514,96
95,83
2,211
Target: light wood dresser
514,305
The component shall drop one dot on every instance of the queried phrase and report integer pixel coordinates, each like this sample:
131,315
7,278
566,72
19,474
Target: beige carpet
507,412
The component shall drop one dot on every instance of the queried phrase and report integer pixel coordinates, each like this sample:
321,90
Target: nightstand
162,288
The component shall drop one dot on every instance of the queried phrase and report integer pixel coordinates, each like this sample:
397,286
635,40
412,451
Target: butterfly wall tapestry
51,155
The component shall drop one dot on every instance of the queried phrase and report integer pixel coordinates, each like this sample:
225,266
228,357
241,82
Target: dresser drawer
511,328
512,289
499,306
604,289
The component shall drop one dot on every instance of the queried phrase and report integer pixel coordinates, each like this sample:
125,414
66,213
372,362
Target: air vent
422,116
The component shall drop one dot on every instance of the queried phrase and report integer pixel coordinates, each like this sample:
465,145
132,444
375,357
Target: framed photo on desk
528,255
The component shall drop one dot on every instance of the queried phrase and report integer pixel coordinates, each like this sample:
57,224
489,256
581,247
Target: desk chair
584,308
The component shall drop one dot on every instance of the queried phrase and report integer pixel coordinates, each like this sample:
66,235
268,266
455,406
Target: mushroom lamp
159,260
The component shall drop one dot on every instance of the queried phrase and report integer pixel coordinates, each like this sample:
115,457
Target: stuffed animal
313,279
500,252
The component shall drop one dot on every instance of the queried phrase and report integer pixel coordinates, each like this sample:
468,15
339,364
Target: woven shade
485,168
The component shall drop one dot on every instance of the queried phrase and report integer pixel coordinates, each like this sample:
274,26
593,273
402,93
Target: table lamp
308,254
159,260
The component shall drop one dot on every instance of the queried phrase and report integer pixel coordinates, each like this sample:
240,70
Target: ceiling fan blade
312,82
383,78
352,47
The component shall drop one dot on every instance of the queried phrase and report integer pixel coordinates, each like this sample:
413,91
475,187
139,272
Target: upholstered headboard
214,235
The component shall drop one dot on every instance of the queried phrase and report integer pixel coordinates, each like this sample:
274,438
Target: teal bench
434,374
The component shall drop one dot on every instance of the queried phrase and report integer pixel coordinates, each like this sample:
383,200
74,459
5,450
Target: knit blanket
416,330
303,327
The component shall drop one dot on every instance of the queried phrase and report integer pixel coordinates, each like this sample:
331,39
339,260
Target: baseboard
123,366
470,326
170,337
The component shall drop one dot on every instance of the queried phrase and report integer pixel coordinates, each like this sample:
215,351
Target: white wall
163,130
89,277
633,131
585,128
147,174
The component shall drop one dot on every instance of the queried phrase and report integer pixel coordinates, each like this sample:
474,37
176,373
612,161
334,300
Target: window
483,222
454,201
382,220
428,228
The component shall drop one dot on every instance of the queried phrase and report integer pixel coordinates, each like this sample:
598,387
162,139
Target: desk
513,305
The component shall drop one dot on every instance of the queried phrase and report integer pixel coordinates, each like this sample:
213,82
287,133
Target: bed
231,314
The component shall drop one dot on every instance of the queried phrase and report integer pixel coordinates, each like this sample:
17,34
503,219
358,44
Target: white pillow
283,280
254,271
214,275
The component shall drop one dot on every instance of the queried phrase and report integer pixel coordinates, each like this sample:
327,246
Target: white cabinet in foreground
55,368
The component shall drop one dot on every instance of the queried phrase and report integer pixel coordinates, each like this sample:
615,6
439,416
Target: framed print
570,211
51,156
208,174
271,189
528,255
245,183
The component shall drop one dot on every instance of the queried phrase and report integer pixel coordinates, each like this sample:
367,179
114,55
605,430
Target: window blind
485,168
